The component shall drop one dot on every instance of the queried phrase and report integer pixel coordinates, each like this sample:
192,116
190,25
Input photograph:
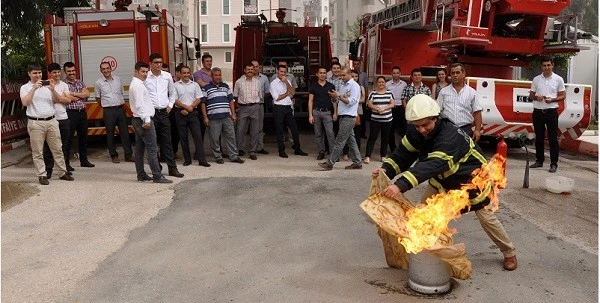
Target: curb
10,146
579,146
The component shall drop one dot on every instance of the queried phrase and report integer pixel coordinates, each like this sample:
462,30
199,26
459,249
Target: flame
427,222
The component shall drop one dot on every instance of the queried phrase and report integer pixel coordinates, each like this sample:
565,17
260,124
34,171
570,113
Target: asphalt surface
276,230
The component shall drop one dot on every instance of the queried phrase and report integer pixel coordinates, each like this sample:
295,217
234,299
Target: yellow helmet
421,106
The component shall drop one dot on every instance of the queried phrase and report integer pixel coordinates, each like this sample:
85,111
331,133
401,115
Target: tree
22,39
352,31
587,11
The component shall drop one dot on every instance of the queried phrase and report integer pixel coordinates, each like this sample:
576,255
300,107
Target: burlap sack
389,215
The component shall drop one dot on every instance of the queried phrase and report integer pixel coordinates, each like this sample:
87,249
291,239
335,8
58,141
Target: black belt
545,109
141,118
248,104
323,109
40,119
346,116
78,110
160,109
289,105
118,106
466,126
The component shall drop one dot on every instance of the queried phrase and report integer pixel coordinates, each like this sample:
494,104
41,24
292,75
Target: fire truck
490,37
88,37
303,48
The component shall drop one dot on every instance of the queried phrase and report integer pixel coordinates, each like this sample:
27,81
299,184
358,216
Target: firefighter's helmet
421,106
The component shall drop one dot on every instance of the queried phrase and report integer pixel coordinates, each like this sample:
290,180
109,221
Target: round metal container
427,274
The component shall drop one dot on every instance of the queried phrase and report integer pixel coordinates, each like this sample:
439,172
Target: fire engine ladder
61,43
314,51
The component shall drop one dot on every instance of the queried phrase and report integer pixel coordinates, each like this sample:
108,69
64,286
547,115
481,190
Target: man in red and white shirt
247,92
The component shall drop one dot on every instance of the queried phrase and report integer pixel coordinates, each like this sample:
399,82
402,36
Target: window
250,7
226,36
325,8
204,32
226,7
227,57
135,2
203,8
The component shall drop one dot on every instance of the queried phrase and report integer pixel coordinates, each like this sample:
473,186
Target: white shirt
247,91
61,111
139,100
41,105
188,92
110,91
278,88
290,78
161,89
396,89
459,106
547,87
351,90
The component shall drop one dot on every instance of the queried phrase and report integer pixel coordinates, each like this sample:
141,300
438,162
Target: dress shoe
536,165
366,160
162,180
263,151
195,157
130,159
354,166
326,165
43,180
238,160
187,163
70,168
510,263
321,156
115,159
87,164
145,178
175,173
253,157
220,161
241,153
300,153
282,154
553,168
67,177
204,163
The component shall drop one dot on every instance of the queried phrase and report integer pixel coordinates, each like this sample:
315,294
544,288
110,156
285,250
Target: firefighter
446,156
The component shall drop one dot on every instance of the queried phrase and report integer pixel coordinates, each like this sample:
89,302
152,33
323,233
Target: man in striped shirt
247,94
415,87
77,116
459,103
218,112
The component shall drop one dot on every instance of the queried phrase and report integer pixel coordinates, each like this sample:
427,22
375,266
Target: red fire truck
88,37
489,37
303,48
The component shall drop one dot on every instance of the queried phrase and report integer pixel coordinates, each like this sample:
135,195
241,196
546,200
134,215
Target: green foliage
22,38
560,61
352,31
587,10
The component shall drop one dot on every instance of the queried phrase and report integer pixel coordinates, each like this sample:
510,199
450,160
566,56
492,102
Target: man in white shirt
282,91
109,94
396,86
54,73
189,95
547,90
348,101
145,134
39,98
459,103
247,96
264,87
162,93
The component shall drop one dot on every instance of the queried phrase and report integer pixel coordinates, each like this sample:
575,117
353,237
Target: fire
427,222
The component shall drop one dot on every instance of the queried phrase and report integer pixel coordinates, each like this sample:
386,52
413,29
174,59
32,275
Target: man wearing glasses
163,95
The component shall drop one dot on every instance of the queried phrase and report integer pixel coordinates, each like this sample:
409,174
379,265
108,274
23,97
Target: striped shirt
337,82
381,100
459,106
76,87
396,89
217,97
247,91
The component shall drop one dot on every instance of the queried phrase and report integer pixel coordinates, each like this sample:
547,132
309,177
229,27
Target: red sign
13,126
111,60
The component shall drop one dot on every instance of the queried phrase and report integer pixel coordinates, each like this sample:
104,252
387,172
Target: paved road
275,230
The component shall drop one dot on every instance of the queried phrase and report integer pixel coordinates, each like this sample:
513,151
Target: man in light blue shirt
347,109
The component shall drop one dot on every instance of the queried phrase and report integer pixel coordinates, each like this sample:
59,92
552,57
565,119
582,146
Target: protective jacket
446,157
